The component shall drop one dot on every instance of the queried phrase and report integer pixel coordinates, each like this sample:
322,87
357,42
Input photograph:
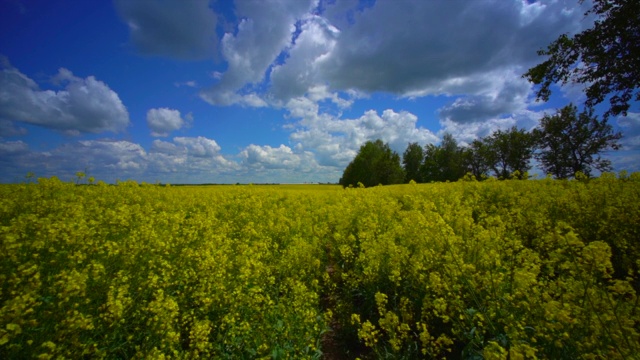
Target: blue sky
203,91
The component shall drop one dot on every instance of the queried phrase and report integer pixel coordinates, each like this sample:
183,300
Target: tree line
564,144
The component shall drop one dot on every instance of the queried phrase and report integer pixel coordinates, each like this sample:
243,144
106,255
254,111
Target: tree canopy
604,58
477,158
510,151
442,162
412,161
374,164
570,142
563,143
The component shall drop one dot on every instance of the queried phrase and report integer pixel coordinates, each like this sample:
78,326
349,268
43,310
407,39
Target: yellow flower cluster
493,269
497,269
141,271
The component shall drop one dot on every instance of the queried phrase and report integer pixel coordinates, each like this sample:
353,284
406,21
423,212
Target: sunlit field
494,269
313,188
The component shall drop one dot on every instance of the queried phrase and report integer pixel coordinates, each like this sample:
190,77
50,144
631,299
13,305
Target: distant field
285,187
494,269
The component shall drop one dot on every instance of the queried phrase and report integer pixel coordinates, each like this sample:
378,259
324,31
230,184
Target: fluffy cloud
263,33
273,158
179,160
120,156
162,121
84,106
194,156
335,141
199,146
300,72
419,49
627,158
13,147
466,132
11,155
8,128
500,95
411,50
184,159
284,164
180,29
631,126
106,159
225,97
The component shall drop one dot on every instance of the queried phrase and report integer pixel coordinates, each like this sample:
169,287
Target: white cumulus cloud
335,141
162,121
196,156
85,105
474,52
433,47
500,95
183,159
264,31
266,156
299,74
199,146
631,127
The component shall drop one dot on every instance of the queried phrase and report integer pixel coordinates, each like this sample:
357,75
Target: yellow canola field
493,269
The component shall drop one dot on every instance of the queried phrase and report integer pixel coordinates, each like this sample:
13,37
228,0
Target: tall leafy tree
374,164
570,142
411,161
431,169
476,159
443,162
510,151
604,58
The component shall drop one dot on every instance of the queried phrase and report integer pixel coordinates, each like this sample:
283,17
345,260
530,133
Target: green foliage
443,162
570,143
506,153
604,58
374,164
510,152
477,159
412,161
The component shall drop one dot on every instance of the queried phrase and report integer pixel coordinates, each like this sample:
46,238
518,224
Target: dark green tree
443,162
510,151
476,159
570,142
604,58
374,164
411,161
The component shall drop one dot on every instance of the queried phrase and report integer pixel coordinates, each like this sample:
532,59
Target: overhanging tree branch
605,58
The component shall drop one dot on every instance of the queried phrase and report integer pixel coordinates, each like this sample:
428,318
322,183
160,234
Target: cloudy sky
202,91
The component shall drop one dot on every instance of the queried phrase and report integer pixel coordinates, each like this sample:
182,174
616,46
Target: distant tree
374,164
510,151
443,162
476,159
411,161
570,142
604,58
